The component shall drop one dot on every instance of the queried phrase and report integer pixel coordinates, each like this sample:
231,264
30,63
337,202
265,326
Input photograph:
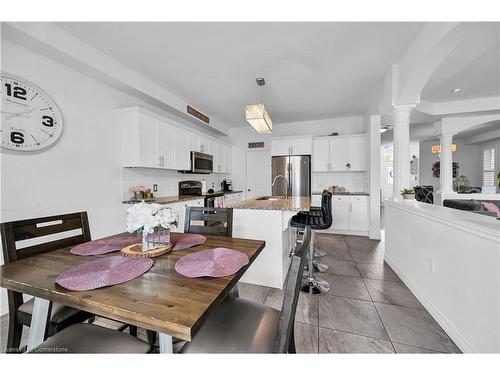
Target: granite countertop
179,198
344,193
288,204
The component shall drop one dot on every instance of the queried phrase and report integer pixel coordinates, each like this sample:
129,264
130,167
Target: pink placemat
181,241
103,272
216,262
105,245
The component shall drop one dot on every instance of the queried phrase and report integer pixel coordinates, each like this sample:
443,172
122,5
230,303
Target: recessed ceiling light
456,90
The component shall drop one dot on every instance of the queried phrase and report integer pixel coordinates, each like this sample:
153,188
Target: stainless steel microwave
201,163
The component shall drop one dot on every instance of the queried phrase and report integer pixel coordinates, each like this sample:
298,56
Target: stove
194,188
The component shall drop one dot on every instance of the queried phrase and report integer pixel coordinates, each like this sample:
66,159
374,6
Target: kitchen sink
272,198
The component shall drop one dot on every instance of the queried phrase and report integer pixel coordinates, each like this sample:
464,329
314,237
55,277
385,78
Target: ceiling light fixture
257,114
436,149
456,90
384,128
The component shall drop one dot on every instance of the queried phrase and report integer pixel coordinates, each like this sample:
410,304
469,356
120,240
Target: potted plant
152,223
408,193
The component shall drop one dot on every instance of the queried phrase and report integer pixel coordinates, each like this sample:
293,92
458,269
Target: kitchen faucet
286,186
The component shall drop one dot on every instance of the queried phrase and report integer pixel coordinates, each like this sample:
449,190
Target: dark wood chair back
285,333
15,231
209,220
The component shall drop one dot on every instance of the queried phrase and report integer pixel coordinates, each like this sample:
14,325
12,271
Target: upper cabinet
339,153
291,146
152,142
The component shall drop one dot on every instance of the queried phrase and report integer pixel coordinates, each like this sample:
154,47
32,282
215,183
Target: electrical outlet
155,188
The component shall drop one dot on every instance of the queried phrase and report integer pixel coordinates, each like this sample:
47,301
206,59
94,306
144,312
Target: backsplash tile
352,181
167,180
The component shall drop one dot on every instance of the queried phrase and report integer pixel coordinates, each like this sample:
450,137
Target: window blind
488,167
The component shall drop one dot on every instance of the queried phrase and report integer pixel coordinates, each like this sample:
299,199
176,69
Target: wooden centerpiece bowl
135,251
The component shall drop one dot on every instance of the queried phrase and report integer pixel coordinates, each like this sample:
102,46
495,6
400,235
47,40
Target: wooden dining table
160,300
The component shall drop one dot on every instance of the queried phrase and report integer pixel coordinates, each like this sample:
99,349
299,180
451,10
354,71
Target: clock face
31,120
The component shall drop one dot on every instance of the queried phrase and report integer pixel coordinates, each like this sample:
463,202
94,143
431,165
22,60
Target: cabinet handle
159,160
291,150
348,165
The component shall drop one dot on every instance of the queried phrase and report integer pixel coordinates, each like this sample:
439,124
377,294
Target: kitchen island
268,220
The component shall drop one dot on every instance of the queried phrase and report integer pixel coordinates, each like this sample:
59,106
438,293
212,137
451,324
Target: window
489,166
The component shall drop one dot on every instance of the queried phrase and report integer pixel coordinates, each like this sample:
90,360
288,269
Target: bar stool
311,284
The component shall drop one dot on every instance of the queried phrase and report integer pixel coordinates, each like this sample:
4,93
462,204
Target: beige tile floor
368,310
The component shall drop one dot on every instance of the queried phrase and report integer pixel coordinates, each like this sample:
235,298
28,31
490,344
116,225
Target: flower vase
160,237
142,239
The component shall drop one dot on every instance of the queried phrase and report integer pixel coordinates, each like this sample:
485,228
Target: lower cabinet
350,213
341,212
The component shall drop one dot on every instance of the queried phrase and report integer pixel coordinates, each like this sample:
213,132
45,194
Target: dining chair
242,326
68,230
85,338
209,220
205,220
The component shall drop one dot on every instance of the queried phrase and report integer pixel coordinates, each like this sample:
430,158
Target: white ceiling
474,67
312,70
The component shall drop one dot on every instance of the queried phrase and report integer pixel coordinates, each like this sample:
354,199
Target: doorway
257,174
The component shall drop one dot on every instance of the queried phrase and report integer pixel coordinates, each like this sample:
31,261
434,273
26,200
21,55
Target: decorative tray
134,251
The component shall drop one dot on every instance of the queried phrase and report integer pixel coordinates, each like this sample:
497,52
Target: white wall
240,137
466,156
82,171
449,259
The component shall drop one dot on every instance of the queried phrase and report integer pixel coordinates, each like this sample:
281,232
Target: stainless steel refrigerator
297,173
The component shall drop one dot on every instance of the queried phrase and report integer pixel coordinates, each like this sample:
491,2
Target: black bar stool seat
317,219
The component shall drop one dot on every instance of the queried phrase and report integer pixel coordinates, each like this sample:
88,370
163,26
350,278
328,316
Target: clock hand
17,115
25,112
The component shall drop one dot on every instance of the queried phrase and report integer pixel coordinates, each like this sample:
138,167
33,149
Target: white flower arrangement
148,217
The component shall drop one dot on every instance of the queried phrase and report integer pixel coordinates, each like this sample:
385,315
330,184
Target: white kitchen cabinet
219,158
229,157
148,152
143,141
356,152
340,210
151,141
194,142
358,216
291,146
321,155
182,153
339,153
350,213
166,144
207,146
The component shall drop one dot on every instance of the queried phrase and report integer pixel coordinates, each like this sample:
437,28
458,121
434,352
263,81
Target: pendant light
257,115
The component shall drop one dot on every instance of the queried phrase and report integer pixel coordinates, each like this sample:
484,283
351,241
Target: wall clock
31,120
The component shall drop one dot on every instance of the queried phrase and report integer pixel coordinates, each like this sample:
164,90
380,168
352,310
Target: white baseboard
347,232
446,325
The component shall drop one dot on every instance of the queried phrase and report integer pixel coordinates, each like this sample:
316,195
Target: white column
446,164
401,125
